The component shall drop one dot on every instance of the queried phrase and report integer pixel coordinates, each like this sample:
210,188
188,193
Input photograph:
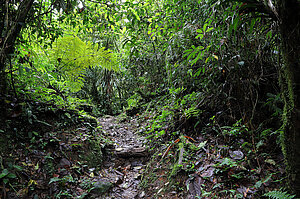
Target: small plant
277,194
132,102
234,130
274,103
6,175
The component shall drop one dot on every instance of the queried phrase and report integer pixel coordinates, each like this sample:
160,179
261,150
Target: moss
93,154
90,119
285,81
176,168
290,86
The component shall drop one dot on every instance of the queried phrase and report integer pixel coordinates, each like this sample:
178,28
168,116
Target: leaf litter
79,162
67,164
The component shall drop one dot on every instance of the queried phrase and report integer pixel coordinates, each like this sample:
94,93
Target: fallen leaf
208,172
194,185
245,193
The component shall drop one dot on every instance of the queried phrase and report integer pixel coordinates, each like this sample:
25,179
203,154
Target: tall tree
11,25
10,29
289,15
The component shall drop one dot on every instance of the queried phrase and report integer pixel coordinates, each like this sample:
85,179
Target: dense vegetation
214,83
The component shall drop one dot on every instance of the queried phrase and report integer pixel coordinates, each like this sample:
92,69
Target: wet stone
126,161
101,187
142,194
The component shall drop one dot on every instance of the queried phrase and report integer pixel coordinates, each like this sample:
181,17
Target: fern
72,57
279,195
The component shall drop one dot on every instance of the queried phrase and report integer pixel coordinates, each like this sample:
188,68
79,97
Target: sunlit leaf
216,57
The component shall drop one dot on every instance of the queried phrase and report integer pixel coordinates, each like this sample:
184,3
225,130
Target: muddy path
125,160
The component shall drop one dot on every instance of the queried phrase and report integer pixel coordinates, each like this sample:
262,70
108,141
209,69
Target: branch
272,8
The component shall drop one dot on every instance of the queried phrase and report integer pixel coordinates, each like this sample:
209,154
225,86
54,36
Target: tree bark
14,27
289,14
10,30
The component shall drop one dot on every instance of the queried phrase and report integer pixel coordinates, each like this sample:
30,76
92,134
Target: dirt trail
125,160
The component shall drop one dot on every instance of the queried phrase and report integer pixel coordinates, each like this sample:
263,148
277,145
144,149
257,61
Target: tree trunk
289,14
10,30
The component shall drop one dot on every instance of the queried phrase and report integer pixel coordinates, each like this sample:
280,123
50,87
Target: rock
137,168
142,194
132,152
101,187
125,185
64,163
118,181
237,155
119,149
137,176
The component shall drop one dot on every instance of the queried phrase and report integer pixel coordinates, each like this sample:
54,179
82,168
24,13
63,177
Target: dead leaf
194,185
245,193
208,172
22,192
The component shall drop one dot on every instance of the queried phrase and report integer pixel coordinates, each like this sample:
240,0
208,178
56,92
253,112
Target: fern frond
72,57
279,195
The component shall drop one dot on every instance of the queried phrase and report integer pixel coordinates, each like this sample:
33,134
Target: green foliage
72,57
277,194
94,157
62,74
274,103
259,183
202,65
6,175
133,101
234,130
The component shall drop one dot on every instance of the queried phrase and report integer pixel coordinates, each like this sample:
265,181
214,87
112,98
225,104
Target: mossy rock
92,154
90,119
101,187
122,117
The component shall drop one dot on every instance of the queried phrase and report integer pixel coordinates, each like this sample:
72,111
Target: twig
171,146
180,156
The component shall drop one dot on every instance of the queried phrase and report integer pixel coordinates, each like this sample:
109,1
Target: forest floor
75,161
128,160
206,165
114,160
